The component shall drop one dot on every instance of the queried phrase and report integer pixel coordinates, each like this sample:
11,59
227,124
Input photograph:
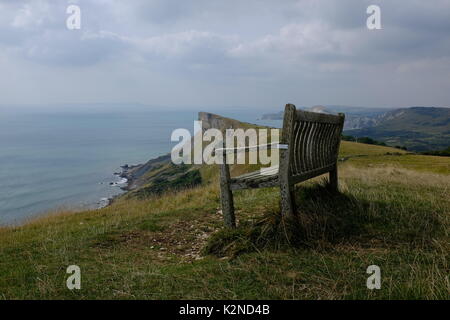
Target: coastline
123,184
132,177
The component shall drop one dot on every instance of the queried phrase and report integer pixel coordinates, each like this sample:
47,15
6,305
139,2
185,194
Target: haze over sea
65,158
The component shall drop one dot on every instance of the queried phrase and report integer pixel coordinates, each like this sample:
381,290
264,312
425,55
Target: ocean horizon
56,160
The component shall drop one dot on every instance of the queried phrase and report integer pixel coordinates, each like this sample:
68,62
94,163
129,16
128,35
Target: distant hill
417,128
356,117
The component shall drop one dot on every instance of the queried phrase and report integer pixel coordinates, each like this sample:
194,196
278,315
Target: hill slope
417,128
393,212
355,117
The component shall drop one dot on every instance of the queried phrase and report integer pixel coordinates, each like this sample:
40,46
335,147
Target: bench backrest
313,143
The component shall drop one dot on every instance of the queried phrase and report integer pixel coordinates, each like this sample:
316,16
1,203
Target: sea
65,158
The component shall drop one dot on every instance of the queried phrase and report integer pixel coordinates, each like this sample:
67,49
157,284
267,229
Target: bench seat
267,177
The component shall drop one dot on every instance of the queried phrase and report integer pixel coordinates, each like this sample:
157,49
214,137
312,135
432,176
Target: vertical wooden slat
305,146
329,143
310,146
340,127
315,146
334,182
323,150
319,146
301,147
296,164
335,143
298,151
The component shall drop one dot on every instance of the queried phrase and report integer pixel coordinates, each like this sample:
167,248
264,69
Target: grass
393,211
353,149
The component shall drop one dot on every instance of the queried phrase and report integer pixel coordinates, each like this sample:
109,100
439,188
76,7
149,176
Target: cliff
159,174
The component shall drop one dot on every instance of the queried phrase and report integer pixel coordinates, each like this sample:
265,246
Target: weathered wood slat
246,176
297,130
256,184
254,175
325,143
308,146
320,149
311,174
317,117
268,146
302,147
328,144
315,145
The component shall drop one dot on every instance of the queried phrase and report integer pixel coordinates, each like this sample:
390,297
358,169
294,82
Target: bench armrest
274,145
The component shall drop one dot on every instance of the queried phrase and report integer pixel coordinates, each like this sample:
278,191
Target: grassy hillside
417,128
393,211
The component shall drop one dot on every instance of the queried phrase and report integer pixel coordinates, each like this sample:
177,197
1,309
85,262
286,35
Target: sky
252,53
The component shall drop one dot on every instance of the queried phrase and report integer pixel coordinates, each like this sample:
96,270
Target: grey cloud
262,44
72,48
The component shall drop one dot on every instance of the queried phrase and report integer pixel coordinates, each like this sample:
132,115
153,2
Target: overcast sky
226,53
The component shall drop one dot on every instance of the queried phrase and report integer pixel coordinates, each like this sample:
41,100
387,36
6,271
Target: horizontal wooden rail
268,146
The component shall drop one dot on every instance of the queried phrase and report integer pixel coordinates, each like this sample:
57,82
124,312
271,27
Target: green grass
369,156
393,212
161,184
352,149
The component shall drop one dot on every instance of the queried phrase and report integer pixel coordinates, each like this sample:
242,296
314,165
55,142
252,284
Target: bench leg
287,201
334,179
226,197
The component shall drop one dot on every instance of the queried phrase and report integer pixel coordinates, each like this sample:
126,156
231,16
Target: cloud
72,49
294,41
193,44
36,31
267,47
31,15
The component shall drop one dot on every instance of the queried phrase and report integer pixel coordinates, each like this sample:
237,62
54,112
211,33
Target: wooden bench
309,147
